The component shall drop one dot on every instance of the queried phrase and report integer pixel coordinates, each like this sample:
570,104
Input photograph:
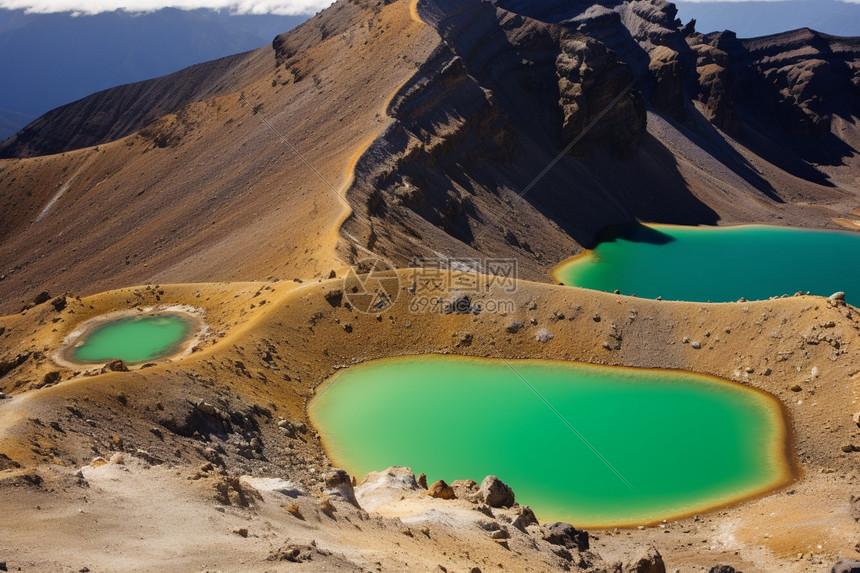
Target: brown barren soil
264,363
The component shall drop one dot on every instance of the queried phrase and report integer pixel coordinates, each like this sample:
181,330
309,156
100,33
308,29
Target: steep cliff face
444,119
667,72
589,79
515,82
716,82
503,96
797,80
780,95
645,34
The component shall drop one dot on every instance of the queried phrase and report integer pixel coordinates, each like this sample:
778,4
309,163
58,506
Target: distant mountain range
11,122
753,19
47,60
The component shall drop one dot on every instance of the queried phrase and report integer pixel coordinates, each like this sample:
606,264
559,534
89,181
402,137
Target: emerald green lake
677,443
718,264
133,339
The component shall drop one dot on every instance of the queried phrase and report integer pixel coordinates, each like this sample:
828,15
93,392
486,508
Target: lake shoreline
194,317
713,264
783,463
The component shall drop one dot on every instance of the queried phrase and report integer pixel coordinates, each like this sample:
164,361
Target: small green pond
134,339
653,445
718,264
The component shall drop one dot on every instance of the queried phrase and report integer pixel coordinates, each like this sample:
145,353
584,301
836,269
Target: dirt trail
349,178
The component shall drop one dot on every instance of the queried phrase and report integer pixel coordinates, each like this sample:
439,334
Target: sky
285,7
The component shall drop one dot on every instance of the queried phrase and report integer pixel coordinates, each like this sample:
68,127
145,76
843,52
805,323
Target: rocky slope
148,465
447,124
50,59
218,176
115,113
713,129
782,94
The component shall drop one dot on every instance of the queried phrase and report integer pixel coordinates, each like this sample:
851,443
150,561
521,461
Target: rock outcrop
589,79
338,484
378,488
496,493
668,95
116,365
566,535
441,490
792,83
513,83
114,113
502,96
648,560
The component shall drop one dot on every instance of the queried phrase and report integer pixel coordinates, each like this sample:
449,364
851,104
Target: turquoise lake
134,339
718,264
641,445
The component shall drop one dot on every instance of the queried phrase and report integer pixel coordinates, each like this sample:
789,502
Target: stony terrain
191,428
407,129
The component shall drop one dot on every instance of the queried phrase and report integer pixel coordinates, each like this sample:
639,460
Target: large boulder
59,303
648,560
544,335
334,297
338,484
496,493
441,490
116,365
525,517
566,535
51,377
42,297
465,489
380,488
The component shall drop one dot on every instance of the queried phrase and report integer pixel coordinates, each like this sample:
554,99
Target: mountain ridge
11,122
686,102
688,144
772,17
49,60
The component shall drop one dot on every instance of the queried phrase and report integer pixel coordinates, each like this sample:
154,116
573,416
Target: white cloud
284,7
